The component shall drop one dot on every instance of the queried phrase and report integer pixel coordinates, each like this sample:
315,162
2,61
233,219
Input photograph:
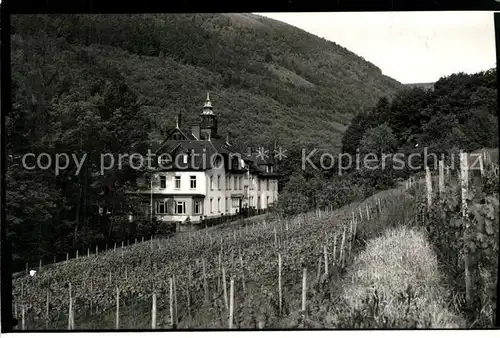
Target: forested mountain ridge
268,80
459,112
426,85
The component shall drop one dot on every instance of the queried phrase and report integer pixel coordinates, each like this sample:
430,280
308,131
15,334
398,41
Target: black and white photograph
253,171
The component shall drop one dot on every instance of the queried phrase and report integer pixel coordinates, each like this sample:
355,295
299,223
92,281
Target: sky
411,47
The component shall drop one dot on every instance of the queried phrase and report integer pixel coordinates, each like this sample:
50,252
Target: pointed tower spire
208,104
207,108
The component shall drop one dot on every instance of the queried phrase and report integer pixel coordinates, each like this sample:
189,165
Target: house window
228,182
211,182
163,181
267,201
267,168
271,168
267,185
258,203
227,204
177,182
161,207
193,182
236,202
197,207
185,159
251,201
235,183
258,184
218,205
218,182
240,184
211,205
181,208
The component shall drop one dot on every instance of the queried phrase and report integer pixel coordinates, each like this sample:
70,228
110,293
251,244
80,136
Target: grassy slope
268,79
403,269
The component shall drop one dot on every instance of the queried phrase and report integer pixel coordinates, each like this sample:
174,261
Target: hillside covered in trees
107,83
268,80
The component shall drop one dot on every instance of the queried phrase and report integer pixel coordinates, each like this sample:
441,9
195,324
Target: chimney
195,130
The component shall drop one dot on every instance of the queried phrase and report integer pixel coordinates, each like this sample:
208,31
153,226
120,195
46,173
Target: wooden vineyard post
242,273
225,287
325,252
441,177
334,248
231,303
171,298
428,181
205,283
23,319
188,302
47,317
97,250
304,289
176,315
153,313
367,212
351,238
114,248
464,180
67,259
71,322
319,268
218,271
117,321
341,258
88,252
280,295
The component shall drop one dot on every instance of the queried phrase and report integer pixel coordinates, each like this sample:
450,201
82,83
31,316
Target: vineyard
279,273
192,268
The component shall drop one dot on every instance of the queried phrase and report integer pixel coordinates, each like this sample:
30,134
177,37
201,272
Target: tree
378,140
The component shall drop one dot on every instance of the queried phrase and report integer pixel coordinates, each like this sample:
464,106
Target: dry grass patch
395,281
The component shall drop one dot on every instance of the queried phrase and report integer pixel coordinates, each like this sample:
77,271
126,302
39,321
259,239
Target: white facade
181,195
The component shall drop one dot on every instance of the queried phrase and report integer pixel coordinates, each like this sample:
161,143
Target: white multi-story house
200,175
